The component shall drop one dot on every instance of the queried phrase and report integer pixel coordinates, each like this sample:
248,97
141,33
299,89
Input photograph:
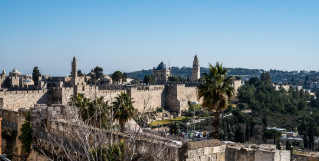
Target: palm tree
215,91
83,104
123,109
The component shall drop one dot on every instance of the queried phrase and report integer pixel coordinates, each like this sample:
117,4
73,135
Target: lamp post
194,103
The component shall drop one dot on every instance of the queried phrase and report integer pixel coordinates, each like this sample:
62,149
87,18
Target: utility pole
194,103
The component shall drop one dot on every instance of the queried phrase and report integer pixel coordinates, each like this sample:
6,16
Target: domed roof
14,70
3,72
161,66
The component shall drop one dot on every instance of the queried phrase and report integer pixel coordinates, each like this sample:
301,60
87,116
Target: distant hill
187,71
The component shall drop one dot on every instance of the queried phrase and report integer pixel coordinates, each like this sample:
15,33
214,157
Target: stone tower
161,73
3,74
74,68
196,70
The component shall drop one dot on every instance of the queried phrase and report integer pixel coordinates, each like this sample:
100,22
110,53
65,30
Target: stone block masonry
146,100
13,100
238,152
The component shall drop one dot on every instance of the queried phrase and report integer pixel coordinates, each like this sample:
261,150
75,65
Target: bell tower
196,70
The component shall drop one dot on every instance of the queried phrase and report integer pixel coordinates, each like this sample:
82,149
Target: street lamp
194,103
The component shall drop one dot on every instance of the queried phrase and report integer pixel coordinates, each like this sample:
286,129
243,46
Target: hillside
187,71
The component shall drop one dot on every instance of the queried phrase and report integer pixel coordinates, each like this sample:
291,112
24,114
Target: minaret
74,68
3,73
196,70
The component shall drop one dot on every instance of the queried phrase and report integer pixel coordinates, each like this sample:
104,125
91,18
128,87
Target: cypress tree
264,120
288,145
252,124
239,135
35,75
247,132
305,140
311,135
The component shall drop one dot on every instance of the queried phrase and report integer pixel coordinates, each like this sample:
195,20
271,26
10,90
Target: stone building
161,73
196,70
14,72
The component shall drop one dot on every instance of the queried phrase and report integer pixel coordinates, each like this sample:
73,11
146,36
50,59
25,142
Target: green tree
247,132
98,71
148,79
252,125
117,76
115,152
123,109
35,75
264,120
215,92
26,132
311,135
305,140
265,77
301,105
83,103
80,73
239,135
254,81
135,81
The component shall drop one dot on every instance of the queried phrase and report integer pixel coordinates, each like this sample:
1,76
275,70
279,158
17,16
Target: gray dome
161,66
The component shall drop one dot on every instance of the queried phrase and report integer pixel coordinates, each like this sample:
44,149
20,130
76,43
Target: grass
167,121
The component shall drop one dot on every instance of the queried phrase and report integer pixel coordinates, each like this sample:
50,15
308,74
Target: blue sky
134,35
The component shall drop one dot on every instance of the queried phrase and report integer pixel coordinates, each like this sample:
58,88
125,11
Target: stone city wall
305,157
61,95
59,126
177,96
255,153
13,100
148,99
206,150
91,92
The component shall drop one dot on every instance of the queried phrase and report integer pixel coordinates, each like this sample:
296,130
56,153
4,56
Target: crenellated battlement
23,92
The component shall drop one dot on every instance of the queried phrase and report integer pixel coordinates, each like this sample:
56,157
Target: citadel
19,91
47,104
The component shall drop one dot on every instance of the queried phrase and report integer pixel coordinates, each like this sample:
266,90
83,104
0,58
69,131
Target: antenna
169,64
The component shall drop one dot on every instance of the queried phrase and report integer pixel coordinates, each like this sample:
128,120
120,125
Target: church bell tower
196,70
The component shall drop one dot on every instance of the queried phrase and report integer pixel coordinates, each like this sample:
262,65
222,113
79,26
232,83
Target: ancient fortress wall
92,92
13,100
61,95
148,99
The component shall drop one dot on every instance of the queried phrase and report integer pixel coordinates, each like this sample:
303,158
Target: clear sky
133,35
